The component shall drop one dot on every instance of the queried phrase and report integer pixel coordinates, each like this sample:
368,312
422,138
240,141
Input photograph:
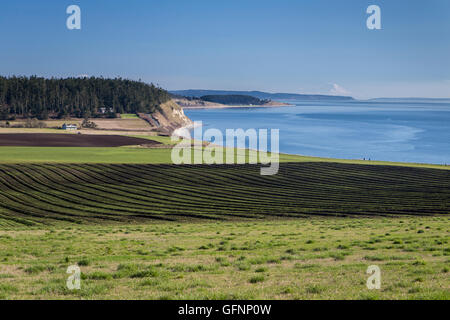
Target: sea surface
402,131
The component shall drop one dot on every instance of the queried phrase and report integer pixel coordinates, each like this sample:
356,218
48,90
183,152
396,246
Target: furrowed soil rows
33,194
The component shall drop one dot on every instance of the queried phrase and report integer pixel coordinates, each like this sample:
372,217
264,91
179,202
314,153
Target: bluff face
166,118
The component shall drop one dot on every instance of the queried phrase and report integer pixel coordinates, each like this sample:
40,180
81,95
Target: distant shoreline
276,105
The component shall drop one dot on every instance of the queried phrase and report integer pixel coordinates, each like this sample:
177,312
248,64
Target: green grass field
317,258
123,155
130,155
129,116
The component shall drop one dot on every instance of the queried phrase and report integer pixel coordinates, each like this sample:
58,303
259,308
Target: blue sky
298,46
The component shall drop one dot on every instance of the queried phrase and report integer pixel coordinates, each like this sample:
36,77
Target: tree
42,98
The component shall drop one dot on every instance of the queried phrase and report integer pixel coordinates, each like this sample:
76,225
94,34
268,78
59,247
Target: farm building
105,110
69,126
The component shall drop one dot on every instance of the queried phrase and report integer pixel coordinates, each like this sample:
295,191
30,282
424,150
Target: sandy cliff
168,117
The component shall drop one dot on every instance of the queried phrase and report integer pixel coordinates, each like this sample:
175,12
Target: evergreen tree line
35,97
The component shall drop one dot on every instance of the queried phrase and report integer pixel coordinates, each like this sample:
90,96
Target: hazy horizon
308,93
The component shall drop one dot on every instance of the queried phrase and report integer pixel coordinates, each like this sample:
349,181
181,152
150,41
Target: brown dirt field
70,140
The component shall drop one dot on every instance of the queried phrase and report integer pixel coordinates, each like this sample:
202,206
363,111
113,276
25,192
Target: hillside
166,117
77,97
261,95
33,194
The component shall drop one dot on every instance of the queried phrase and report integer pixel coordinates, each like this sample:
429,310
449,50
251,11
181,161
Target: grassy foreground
318,258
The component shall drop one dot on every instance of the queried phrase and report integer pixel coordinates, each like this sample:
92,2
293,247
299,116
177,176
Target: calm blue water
390,131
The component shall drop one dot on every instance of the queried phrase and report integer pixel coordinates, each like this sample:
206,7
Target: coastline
181,132
236,106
